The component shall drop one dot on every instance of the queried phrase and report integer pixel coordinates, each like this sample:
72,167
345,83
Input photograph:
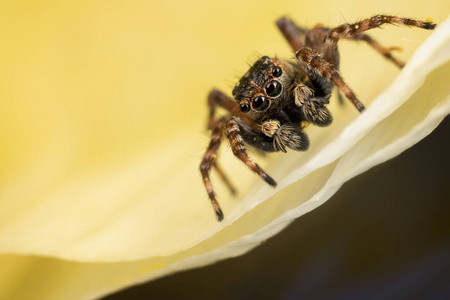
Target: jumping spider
275,97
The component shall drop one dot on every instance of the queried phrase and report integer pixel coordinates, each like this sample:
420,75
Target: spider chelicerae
274,100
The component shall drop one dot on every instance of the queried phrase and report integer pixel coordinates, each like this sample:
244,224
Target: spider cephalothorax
263,87
275,98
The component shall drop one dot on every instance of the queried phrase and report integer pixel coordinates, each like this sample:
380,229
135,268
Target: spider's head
262,87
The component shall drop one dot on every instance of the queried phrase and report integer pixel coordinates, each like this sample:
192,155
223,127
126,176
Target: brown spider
275,97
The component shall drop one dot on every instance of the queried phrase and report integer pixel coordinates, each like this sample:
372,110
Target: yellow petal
101,124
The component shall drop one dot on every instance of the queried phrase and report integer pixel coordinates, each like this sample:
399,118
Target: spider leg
217,98
386,52
351,30
292,33
234,135
208,162
314,63
316,66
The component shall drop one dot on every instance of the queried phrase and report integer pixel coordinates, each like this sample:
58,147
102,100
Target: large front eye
273,89
260,103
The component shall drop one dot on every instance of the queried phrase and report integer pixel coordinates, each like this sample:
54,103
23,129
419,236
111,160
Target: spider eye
273,89
260,103
277,72
245,108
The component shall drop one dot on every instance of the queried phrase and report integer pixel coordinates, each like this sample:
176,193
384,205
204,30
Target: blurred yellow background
87,82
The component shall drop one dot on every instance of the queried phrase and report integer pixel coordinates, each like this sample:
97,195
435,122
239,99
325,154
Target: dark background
384,235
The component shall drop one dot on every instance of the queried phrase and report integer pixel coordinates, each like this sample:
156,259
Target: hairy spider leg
356,29
355,32
314,64
351,30
234,135
208,162
217,98
294,34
